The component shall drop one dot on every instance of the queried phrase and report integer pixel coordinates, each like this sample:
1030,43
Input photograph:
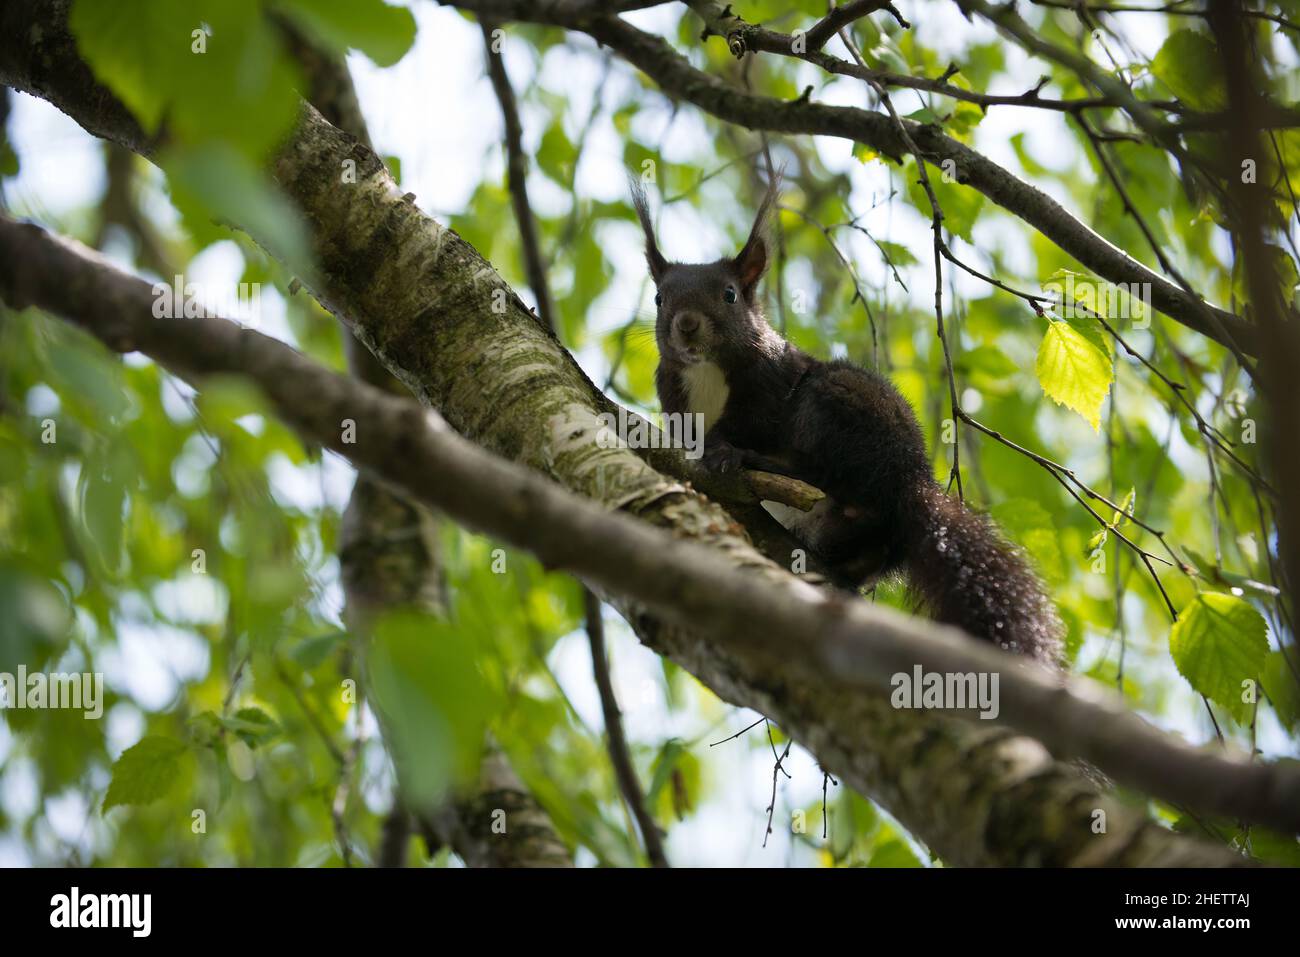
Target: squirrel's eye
659,299
730,294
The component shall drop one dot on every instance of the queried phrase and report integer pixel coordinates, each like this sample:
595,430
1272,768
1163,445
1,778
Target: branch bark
1256,220
517,176
803,656
390,558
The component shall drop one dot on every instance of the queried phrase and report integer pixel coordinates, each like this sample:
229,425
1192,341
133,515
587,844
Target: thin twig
619,755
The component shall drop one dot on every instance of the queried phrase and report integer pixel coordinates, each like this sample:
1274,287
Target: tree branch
619,754
766,629
390,558
516,175
677,78
1255,218
517,165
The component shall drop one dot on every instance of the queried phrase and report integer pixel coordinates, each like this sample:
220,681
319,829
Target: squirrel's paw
722,457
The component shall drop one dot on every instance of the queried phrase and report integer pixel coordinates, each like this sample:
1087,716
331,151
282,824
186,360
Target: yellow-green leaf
1075,368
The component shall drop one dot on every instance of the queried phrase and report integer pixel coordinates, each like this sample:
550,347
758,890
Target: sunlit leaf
1218,643
1074,368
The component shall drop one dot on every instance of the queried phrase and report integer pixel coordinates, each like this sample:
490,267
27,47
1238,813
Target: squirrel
846,430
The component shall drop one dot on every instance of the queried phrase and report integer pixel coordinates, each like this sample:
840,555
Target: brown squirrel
846,430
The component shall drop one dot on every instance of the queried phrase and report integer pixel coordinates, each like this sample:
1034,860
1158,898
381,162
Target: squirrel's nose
688,323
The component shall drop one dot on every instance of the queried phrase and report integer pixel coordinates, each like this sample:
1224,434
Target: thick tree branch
517,177
466,826
390,558
1256,221
767,630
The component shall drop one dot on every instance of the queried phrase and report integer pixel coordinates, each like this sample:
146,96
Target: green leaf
1188,64
145,772
893,852
1219,642
897,254
394,164
217,182
1030,525
103,500
310,653
36,621
253,725
864,154
1075,368
214,69
79,368
433,701
965,117
1274,848
986,360
961,205
1121,518
240,760
382,32
662,768
127,42
8,159
1282,688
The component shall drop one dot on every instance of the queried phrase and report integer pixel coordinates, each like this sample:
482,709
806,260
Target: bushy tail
966,574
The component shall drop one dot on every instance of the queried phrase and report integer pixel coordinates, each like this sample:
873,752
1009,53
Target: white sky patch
192,599
150,662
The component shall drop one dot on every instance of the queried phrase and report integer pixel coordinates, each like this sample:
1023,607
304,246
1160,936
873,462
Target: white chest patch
706,391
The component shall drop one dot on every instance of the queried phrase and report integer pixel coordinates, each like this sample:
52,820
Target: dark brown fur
847,431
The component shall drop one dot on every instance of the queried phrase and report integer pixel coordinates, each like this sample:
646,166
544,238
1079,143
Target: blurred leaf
216,182
1282,687
35,621
894,853
382,32
253,726
310,653
961,205
145,772
213,68
1030,525
1188,63
1219,642
433,699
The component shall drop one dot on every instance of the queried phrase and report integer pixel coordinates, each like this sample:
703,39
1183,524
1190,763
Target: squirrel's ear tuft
751,261
654,259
